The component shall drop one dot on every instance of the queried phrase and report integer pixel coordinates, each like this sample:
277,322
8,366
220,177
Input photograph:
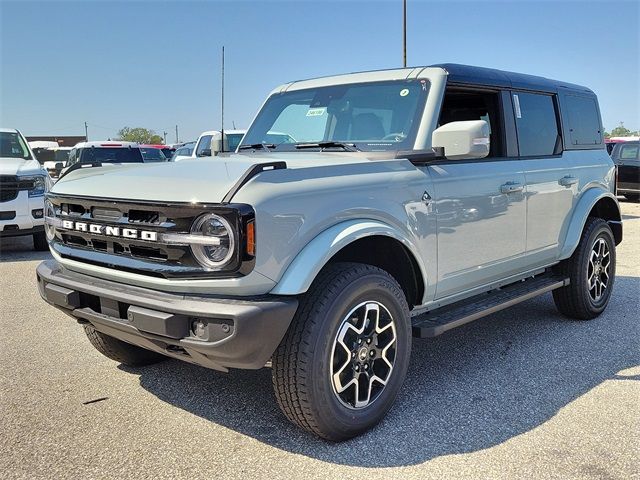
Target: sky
156,64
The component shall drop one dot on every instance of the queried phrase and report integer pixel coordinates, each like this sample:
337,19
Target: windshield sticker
516,105
315,112
404,92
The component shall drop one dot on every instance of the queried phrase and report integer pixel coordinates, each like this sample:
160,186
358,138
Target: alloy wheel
363,355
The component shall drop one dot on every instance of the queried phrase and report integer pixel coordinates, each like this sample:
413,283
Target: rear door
550,189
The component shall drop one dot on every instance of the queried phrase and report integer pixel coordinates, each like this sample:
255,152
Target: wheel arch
359,241
594,202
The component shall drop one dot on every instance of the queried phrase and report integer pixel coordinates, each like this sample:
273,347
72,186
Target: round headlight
220,252
49,216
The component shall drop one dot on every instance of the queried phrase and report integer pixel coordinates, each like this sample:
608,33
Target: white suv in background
23,183
208,143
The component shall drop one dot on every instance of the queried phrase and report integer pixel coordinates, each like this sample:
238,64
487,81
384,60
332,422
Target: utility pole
222,106
177,141
86,132
404,33
165,137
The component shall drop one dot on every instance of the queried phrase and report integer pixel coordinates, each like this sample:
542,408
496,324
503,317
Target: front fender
580,213
314,256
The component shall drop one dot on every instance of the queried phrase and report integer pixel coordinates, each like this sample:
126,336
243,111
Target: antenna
404,33
222,106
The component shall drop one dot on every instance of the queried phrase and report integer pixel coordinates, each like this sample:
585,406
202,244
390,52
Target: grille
134,254
10,186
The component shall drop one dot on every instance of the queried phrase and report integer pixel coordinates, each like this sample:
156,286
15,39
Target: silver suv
400,203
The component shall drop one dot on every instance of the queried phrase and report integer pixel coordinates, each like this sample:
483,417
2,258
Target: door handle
568,181
511,187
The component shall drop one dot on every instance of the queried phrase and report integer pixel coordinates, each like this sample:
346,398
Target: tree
139,134
621,131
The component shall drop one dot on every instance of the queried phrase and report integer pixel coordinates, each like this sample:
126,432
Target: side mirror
463,140
205,153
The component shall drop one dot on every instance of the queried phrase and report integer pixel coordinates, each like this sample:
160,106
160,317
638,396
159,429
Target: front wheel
591,271
345,356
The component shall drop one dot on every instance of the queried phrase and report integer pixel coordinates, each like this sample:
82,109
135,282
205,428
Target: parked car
50,157
101,152
23,183
183,152
626,157
209,143
412,201
611,142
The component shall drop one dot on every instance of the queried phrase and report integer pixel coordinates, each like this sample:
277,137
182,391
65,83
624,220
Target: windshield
110,155
153,155
12,145
373,116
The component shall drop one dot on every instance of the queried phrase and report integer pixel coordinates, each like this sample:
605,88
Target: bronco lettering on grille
110,231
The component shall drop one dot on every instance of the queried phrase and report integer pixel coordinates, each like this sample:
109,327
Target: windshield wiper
257,146
347,147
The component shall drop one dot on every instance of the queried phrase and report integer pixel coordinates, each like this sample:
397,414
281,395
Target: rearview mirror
463,140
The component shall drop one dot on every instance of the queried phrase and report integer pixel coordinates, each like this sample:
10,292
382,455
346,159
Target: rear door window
536,124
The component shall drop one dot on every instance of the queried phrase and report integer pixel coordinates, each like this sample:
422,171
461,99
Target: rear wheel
40,242
120,351
345,356
591,271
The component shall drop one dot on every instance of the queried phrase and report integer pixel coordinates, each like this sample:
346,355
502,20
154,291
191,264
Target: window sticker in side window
516,106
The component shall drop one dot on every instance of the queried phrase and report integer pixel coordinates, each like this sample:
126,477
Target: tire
313,352
40,242
120,351
577,300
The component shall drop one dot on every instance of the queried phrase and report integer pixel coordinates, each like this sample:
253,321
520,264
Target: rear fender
580,214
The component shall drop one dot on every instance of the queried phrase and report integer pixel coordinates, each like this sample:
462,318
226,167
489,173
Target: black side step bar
249,174
431,324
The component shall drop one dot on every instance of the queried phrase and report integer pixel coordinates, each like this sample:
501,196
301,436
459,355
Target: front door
480,204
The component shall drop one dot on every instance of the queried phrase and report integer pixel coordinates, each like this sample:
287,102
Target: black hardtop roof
467,74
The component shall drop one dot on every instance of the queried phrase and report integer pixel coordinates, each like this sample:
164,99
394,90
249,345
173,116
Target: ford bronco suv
407,203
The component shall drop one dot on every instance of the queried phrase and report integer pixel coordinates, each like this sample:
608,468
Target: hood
203,180
19,166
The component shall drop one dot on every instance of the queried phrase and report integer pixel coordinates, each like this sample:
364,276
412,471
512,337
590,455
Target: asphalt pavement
523,393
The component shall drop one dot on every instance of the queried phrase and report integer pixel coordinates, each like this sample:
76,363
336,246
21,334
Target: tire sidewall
371,287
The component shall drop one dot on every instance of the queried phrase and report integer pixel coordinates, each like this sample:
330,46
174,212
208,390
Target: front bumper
214,332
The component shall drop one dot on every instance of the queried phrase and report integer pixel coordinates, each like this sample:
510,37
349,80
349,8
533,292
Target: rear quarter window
584,120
